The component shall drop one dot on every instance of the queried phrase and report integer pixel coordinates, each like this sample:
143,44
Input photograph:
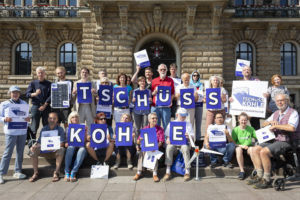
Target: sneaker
213,165
19,175
253,180
186,177
263,184
166,177
242,175
228,165
1,179
129,164
155,178
116,166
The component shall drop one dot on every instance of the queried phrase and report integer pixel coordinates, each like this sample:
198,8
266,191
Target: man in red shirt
163,113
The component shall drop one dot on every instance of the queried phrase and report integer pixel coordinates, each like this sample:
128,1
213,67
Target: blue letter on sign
84,92
121,97
76,135
163,96
98,136
187,98
105,94
177,133
124,134
149,142
213,98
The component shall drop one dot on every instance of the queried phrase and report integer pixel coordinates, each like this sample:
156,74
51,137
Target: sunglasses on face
101,119
195,75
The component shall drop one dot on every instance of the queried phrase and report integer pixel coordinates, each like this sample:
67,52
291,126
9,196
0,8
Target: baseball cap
14,88
182,112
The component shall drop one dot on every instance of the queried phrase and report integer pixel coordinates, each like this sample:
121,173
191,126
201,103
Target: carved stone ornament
99,20
217,11
157,17
123,11
190,18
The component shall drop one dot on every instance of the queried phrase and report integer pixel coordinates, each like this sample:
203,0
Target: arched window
68,57
23,56
288,59
245,51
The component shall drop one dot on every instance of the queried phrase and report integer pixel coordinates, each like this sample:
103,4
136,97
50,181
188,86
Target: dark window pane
68,57
23,55
288,59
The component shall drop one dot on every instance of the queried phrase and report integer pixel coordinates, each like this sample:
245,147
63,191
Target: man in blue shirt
58,154
39,91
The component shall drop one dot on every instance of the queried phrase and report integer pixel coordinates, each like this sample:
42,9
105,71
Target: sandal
34,177
55,177
67,177
73,177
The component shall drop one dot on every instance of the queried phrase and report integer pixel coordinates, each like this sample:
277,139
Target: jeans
163,114
81,153
10,142
227,151
36,116
140,121
198,121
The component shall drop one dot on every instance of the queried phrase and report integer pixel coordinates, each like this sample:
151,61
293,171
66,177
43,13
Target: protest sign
142,59
213,98
151,158
264,134
84,92
50,140
177,133
248,97
98,136
60,94
149,139
18,113
187,98
163,96
124,134
142,100
216,136
76,135
240,64
121,97
105,94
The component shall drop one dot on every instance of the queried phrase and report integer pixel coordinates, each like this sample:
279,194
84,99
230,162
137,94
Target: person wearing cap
13,137
39,91
181,116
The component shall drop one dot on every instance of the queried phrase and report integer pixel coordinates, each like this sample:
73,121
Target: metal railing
267,12
37,11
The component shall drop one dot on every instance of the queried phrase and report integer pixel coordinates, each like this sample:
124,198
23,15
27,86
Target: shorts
277,147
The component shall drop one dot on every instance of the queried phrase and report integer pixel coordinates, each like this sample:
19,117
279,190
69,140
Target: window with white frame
23,57
288,59
68,57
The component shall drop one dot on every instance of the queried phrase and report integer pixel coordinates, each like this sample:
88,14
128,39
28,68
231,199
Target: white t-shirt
293,120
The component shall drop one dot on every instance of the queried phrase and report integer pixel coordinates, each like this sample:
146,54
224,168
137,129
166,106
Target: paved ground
124,188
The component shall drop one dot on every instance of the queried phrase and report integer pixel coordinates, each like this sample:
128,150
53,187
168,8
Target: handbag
99,171
178,165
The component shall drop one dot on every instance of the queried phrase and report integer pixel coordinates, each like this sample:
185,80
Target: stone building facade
203,35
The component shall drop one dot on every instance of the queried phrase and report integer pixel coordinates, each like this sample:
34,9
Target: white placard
177,82
142,59
50,143
248,97
18,112
151,158
99,171
240,63
216,136
264,134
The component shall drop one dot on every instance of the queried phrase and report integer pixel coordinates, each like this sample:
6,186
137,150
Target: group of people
283,120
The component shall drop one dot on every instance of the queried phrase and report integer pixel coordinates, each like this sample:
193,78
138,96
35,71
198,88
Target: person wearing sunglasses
99,154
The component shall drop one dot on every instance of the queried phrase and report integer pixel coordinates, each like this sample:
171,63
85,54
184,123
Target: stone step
47,171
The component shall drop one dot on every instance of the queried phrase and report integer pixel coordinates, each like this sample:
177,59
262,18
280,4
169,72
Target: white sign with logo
264,134
248,97
142,59
240,64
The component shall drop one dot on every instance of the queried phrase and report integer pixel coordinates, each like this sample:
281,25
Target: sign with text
264,134
187,98
177,133
121,97
60,94
213,98
76,135
142,100
240,64
18,113
248,97
216,136
163,96
149,141
105,94
84,92
124,134
98,136
142,59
